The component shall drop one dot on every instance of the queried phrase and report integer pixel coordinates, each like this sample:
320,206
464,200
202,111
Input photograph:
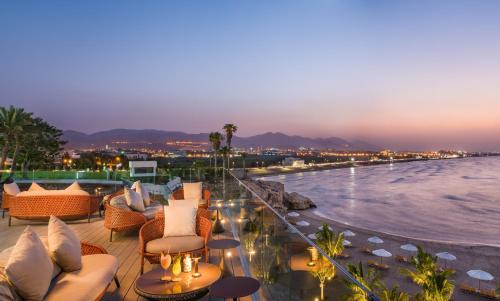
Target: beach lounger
367,250
378,266
490,294
468,289
403,259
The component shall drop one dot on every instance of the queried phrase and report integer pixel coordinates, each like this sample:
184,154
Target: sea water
445,200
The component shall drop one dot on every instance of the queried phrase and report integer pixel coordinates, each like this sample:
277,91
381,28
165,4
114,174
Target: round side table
223,245
150,286
234,287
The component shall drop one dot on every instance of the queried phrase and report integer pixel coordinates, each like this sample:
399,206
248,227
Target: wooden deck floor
124,247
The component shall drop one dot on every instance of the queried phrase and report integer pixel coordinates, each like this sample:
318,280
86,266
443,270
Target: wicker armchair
154,230
119,220
6,199
179,195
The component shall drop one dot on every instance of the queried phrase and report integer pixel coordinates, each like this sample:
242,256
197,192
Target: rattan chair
119,220
154,230
179,195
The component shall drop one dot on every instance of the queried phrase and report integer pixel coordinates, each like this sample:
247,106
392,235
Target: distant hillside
157,139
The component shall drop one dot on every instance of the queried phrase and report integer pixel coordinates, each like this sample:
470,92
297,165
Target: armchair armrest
116,218
89,249
152,229
204,228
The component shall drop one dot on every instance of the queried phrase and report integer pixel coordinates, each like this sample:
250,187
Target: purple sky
403,74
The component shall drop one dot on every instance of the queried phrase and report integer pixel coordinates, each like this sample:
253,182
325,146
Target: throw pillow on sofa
179,221
193,191
29,267
11,189
138,187
35,187
64,245
74,186
134,200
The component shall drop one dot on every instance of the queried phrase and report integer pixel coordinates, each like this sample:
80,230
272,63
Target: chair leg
111,236
3,213
10,220
117,282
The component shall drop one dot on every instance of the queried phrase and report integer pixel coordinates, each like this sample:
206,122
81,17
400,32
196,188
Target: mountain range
158,138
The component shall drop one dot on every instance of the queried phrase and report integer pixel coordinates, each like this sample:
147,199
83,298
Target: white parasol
409,248
321,228
312,236
302,223
346,243
349,233
293,214
375,240
480,275
381,253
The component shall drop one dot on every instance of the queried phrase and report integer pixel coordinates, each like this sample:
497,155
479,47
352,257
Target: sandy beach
468,257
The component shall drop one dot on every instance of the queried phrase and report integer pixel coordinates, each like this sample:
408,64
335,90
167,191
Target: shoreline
469,257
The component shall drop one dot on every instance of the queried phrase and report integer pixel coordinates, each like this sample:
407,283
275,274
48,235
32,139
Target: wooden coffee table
151,287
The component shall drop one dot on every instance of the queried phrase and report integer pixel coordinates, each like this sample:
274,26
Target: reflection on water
452,200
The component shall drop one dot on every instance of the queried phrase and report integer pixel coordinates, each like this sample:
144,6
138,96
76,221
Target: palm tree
434,282
216,140
369,280
324,272
230,129
14,121
332,243
393,294
244,158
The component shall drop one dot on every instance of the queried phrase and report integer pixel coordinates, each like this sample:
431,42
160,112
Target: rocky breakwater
275,195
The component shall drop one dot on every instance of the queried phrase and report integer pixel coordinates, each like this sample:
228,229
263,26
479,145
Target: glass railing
288,264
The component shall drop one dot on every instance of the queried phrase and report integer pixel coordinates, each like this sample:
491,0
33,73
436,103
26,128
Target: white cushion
74,186
151,210
175,244
138,187
64,245
179,221
134,200
193,191
35,187
54,193
5,255
192,203
88,283
11,188
29,267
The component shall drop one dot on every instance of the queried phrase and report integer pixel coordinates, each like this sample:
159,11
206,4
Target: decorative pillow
11,188
29,267
192,203
5,255
35,187
64,245
143,191
74,186
179,221
7,290
193,191
134,200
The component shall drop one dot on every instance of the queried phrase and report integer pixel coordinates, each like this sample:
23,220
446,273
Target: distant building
136,156
294,162
142,168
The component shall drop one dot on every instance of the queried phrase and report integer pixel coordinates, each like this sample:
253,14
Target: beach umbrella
321,228
293,214
349,233
375,240
409,248
312,236
381,253
302,223
346,243
446,256
480,275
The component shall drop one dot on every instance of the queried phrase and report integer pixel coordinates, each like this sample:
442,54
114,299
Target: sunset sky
402,74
